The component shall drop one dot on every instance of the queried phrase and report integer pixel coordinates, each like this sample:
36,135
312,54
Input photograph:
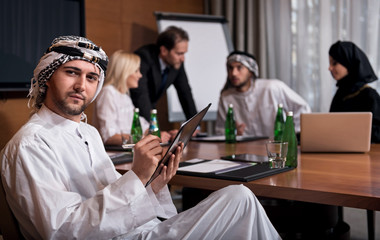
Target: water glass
277,151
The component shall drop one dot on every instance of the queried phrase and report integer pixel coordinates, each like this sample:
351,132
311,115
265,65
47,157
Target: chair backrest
8,224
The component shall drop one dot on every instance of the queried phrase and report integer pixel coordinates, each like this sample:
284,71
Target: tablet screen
184,134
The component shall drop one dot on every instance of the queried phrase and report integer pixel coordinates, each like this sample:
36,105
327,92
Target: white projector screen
205,62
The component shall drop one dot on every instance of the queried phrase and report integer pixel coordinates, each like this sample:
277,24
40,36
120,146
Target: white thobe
61,184
257,107
113,113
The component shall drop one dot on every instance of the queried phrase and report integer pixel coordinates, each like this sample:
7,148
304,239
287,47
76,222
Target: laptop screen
336,132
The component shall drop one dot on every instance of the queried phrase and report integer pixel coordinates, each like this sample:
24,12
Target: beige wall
112,24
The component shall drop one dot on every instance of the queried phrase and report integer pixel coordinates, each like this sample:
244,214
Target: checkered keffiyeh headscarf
62,50
246,59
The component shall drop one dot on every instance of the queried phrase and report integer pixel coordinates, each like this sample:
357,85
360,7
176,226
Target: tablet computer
184,134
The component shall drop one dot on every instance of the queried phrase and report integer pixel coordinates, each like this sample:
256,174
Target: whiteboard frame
216,66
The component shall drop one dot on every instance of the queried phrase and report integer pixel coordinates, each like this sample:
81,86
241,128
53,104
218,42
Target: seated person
61,184
255,100
114,109
350,67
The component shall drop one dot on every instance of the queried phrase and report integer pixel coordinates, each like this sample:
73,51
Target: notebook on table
336,132
120,157
243,172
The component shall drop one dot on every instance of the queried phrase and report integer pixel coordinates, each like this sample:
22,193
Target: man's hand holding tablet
147,154
168,171
182,137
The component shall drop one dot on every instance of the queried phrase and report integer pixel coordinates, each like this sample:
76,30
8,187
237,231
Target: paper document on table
216,166
228,170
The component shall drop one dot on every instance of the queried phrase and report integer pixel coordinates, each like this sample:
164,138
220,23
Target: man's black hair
171,36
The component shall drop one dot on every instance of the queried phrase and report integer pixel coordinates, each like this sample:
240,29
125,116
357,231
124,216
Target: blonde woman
114,108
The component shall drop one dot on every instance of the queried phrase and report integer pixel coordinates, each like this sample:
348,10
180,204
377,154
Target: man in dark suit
161,66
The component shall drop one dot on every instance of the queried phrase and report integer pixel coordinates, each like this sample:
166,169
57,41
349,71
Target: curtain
291,38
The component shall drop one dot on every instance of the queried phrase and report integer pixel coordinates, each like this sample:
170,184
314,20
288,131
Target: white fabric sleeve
41,196
144,124
106,114
294,102
162,202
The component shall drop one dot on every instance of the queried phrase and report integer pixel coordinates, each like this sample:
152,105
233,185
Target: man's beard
241,85
73,111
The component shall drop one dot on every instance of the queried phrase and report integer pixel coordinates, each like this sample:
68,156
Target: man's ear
252,75
163,51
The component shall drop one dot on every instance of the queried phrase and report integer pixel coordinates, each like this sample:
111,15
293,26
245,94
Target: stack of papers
228,170
215,166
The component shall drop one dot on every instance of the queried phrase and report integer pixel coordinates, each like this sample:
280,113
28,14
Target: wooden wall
112,24
14,112
126,24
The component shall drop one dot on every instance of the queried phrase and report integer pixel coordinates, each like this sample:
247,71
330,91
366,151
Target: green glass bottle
279,123
136,130
289,136
154,129
230,126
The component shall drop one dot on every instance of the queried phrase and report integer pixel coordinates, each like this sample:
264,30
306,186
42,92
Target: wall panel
113,24
127,25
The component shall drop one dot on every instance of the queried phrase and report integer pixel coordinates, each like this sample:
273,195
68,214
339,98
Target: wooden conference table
349,180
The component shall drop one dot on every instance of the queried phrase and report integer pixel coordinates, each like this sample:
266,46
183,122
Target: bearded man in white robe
61,184
255,100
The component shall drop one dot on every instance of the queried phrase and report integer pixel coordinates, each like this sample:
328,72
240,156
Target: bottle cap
230,105
137,110
290,113
280,105
154,111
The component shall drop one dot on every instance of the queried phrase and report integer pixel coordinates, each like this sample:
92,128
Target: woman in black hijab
350,67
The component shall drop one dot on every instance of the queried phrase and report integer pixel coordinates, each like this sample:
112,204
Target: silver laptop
336,132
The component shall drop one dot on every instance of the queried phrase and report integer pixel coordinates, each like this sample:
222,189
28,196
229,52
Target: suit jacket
147,94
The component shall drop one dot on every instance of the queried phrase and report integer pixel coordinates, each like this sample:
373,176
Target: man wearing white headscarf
60,183
255,100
